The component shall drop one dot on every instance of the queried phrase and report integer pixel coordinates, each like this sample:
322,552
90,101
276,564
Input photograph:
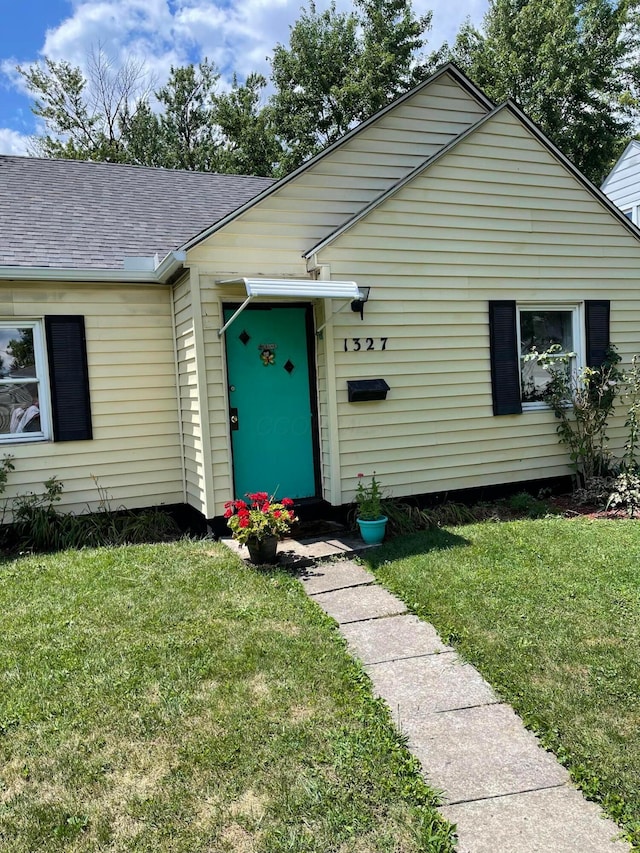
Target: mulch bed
570,508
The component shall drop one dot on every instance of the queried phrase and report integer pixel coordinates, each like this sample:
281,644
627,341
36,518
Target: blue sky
237,35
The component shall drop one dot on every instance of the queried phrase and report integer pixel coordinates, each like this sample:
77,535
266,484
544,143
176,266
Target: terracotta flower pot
262,551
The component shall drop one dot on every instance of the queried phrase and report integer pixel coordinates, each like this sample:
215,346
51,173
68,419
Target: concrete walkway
503,791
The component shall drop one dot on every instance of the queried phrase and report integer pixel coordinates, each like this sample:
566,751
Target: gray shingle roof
76,214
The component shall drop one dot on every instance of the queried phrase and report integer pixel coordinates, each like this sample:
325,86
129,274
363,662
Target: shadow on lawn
437,539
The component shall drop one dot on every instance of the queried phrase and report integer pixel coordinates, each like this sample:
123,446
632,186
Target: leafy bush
583,402
525,504
625,493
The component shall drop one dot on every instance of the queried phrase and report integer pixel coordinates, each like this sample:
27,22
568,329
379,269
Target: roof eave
164,273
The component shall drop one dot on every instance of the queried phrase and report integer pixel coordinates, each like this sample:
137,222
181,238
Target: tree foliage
339,68
87,118
572,66
249,144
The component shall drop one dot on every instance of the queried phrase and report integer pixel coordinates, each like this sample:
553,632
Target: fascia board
166,270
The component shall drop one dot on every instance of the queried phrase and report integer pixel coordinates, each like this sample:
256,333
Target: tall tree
339,68
249,145
317,95
392,41
86,117
187,127
572,66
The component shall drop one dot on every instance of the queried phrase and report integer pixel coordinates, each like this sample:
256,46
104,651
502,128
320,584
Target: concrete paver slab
325,577
361,602
555,820
393,638
482,752
295,553
413,687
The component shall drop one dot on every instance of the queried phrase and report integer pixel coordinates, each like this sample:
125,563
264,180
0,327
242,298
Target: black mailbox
361,390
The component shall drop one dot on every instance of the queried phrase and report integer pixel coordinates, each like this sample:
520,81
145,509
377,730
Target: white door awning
305,288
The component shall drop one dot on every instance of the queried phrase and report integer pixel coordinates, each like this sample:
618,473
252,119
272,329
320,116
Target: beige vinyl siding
270,237
498,217
215,372
135,452
189,406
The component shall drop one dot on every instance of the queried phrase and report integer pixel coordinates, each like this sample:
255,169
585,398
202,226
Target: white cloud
12,142
238,35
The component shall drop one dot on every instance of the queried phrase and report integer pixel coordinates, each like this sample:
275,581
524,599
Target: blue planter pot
372,531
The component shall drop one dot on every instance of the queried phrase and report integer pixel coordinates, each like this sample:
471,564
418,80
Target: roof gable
315,164
512,111
630,158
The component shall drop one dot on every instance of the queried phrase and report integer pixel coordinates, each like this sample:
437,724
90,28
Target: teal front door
271,401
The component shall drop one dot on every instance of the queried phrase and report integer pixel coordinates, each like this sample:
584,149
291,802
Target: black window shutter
68,378
505,367
597,329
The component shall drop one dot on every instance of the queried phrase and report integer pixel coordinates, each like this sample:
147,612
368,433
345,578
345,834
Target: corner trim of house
203,401
183,459
335,482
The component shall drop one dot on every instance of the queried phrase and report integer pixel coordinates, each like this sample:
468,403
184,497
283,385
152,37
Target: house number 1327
358,344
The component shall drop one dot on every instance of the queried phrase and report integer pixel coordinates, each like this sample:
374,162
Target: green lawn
167,698
549,611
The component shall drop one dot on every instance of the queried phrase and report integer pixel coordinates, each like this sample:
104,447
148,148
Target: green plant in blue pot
369,515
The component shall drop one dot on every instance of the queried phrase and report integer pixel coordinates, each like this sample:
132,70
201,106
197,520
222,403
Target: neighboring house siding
623,184
135,450
498,217
270,237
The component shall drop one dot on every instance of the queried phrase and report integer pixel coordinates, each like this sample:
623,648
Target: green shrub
526,505
625,493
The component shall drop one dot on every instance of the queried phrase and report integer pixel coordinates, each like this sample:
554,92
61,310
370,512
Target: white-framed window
24,391
540,327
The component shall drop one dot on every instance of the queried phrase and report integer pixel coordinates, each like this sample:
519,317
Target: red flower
287,502
228,513
265,506
277,514
259,497
360,475
291,514
244,521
